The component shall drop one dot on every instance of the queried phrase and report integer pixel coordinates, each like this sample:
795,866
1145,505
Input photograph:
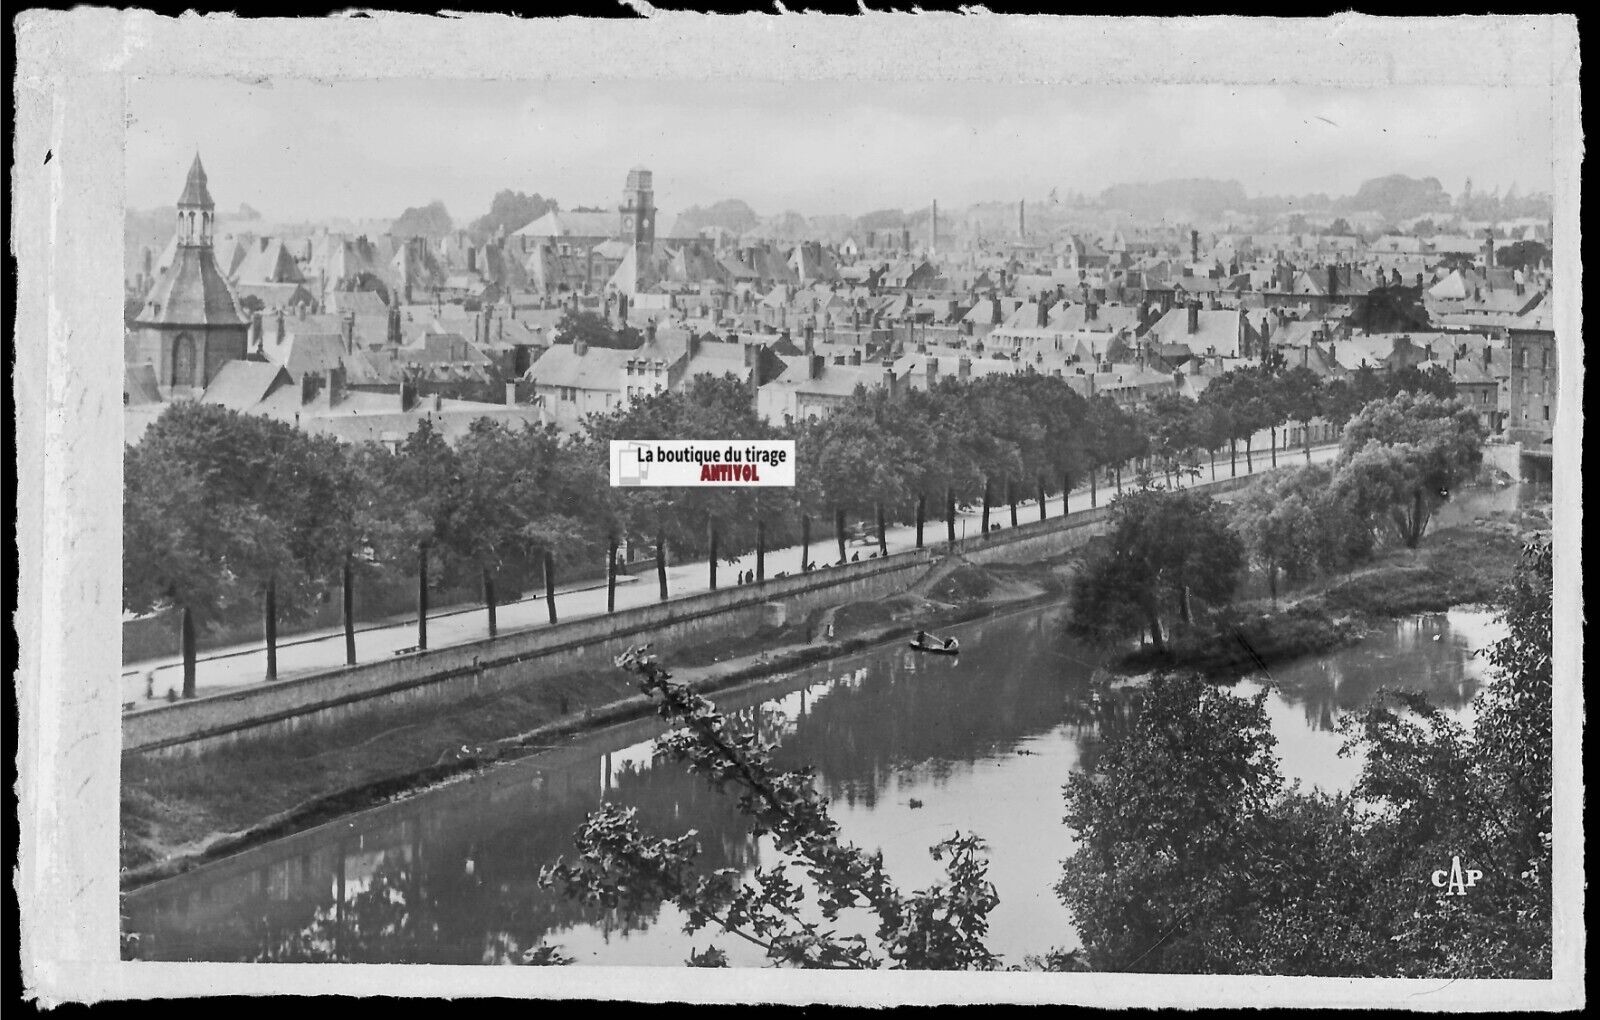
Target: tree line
217,505
1399,460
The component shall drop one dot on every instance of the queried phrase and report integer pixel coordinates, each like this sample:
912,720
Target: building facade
190,323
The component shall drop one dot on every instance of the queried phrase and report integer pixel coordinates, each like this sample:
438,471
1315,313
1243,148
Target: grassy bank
178,813
1461,565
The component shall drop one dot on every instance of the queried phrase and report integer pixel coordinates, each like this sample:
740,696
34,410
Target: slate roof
241,385
1216,329
192,292
194,189
139,385
572,224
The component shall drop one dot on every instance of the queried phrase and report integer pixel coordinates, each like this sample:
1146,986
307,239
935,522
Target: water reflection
908,748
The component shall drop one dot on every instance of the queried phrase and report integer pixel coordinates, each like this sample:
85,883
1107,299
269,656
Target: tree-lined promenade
230,518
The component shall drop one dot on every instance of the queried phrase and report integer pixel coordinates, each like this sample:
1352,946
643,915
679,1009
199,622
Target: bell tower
196,211
639,209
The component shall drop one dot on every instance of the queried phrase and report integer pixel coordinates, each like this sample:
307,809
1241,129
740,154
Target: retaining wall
491,664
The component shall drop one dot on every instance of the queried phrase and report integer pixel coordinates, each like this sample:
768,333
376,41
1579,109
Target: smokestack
933,228
1022,218
1194,246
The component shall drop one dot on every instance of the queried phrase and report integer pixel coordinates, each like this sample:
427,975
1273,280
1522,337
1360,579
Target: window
1544,359
1547,412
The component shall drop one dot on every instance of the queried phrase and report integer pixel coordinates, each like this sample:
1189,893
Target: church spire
196,211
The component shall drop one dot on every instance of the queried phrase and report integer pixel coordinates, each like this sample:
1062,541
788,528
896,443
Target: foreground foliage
1194,855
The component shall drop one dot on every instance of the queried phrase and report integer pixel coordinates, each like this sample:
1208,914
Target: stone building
190,324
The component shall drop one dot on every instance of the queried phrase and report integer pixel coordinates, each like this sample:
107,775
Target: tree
1243,393
216,503
1300,392
941,927
1170,827
1340,227
509,211
431,220
1402,457
1164,549
1524,255
590,327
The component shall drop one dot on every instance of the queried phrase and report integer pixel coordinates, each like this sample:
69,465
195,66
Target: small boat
937,646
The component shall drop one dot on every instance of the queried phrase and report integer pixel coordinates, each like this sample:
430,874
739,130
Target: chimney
964,369
905,239
1040,308
888,381
408,394
1022,218
1194,246
310,386
817,361
1333,280
810,343
255,330
749,355
511,393
580,347
438,401
1091,311
855,356
932,371
650,331
994,317
1194,317
279,338
336,384
933,228
347,325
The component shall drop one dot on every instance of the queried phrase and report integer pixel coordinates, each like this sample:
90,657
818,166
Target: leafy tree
1340,227
1170,828
510,211
1300,393
593,329
216,502
1401,458
1164,549
1524,255
431,220
1244,392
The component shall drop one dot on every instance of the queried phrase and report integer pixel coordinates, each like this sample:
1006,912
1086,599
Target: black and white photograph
1103,533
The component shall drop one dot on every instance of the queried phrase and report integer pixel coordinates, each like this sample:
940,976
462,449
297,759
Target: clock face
627,223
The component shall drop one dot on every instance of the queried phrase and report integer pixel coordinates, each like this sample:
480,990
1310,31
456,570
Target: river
908,748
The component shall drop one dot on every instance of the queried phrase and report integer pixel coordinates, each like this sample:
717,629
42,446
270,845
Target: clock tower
639,209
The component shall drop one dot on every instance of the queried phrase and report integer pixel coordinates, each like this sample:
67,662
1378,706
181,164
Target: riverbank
1465,564
178,813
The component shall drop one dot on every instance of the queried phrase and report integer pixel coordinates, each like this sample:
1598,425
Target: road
323,650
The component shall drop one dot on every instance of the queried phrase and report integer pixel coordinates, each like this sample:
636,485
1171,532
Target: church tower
639,209
191,324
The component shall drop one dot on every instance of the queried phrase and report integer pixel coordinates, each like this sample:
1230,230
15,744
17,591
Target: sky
304,149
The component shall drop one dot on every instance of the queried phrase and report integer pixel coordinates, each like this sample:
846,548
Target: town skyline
404,143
